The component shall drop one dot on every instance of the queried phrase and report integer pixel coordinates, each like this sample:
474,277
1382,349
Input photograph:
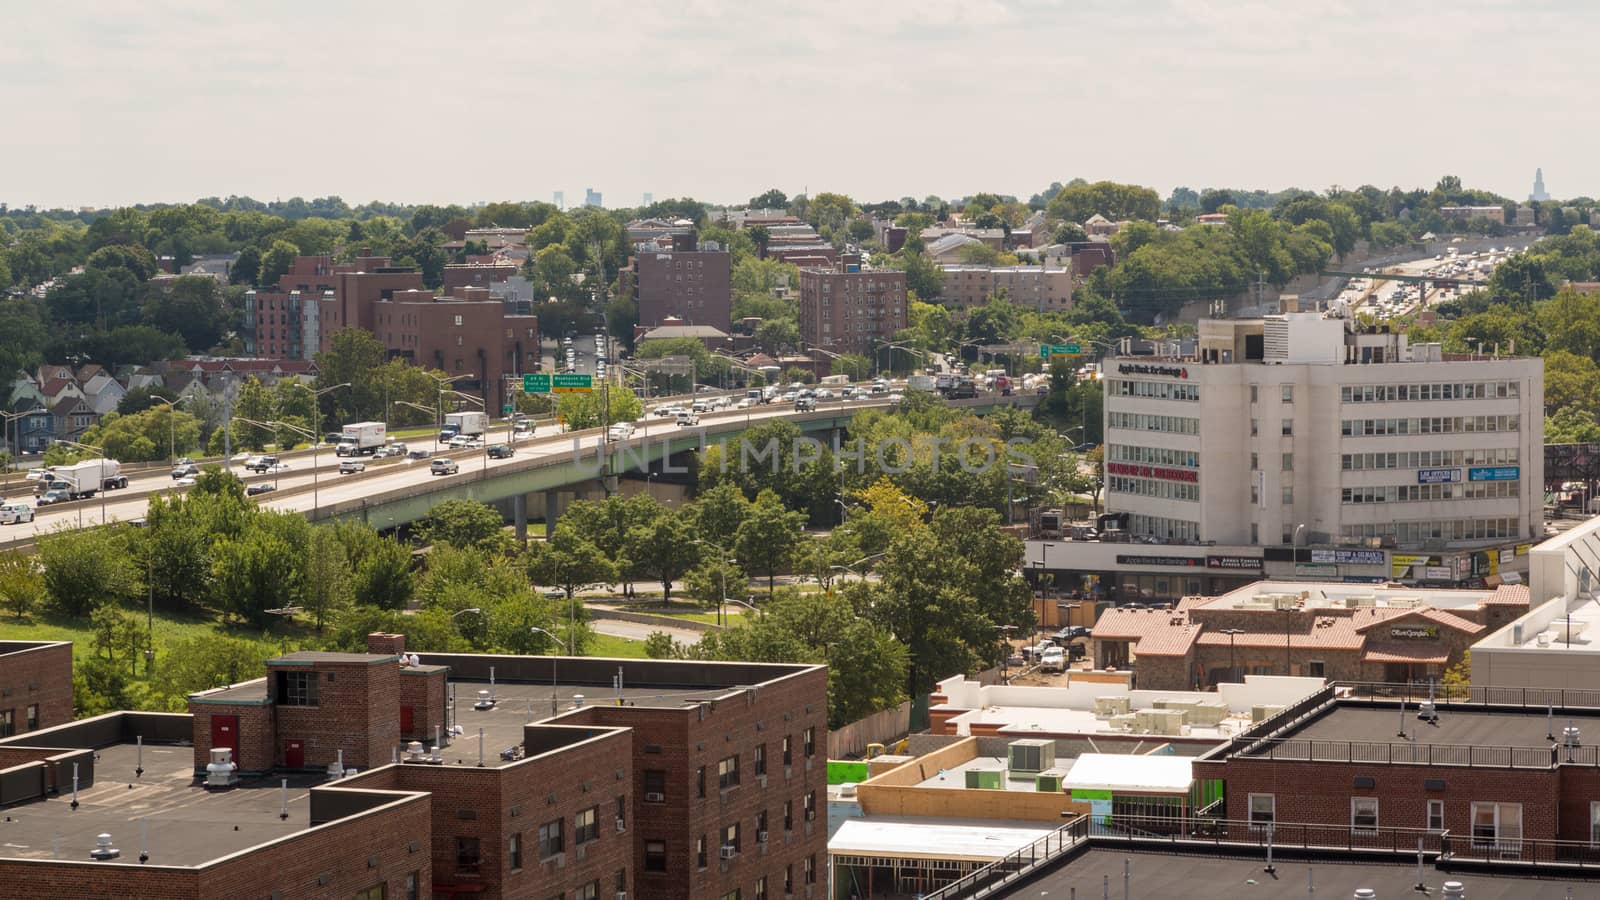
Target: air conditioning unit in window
622,825
810,814
622,895
761,837
655,797
728,851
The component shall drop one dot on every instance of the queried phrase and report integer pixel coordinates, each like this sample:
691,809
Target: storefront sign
1522,549
1436,573
1438,476
1494,473
1351,557
1414,632
1185,562
1147,369
1401,563
1163,472
1252,563
1312,570
1508,557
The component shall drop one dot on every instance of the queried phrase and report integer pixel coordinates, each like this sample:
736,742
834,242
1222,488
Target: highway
300,490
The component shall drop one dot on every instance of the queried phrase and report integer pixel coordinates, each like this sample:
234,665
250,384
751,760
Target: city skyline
184,99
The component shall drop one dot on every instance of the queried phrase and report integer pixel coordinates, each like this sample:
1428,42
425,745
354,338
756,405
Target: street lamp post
1233,669
554,703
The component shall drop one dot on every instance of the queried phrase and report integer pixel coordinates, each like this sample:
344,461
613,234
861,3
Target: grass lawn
610,645
692,613
169,629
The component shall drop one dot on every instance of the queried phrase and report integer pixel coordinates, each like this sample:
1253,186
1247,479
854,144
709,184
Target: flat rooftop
186,824
1454,728
519,704
1033,721
1339,594
973,840
1214,877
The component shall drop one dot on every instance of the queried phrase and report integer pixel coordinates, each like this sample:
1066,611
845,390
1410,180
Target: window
1316,668
1255,461
730,836
413,885
515,845
700,851
811,806
590,891
1288,426
761,888
622,880
728,773
33,717
458,320
788,815
1254,428
8,722
655,786
788,749
731,895
586,826
700,782
377,892
1288,494
1252,393
622,813
1436,815
811,741
467,857
811,869
788,879
1263,809
1288,462
761,825
655,856
551,839
760,757
1364,814
297,689
1497,825
1288,393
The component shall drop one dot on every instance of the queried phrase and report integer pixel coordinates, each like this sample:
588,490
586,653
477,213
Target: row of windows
655,780
1493,824
1428,425
1154,487
1159,456
1481,529
8,720
1155,390
1162,527
730,840
1150,422
1412,493
1429,459
1466,390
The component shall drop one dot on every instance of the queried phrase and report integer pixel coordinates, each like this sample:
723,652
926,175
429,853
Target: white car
620,431
1053,659
275,469
688,419
15,513
185,481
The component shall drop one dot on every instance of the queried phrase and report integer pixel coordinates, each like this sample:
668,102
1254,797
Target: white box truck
922,383
85,478
362,438
464,424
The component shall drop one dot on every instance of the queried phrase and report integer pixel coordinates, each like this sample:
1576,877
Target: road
324,486
638,631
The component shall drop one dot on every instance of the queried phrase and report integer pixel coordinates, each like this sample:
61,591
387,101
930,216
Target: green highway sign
508,409
536,384
1048,350
572,384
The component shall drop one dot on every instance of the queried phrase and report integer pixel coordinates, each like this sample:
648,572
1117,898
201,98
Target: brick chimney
386,644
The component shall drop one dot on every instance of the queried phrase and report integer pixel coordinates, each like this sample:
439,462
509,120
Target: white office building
1307,429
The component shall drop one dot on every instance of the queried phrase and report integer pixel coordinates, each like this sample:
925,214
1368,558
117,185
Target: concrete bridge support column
519,517
553,507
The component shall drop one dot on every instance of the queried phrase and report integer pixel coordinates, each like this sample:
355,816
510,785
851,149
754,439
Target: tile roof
1157,632
1418,653
1438,617
1510,595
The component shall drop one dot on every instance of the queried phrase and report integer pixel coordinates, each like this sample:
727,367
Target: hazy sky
119,101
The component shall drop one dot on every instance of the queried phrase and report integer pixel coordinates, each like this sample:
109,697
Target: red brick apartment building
654,778
693,285
848,309
1497,773
461,332
35,685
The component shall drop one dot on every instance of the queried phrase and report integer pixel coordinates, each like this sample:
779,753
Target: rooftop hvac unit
1030,755
1262,711
1160,721
1285,601
983,779
221,773
1360,601
1117,705
847,791
1048,784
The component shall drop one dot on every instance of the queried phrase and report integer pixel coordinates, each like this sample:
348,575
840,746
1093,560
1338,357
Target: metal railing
1410,753
981,882
1282,835
1532,699
1521,852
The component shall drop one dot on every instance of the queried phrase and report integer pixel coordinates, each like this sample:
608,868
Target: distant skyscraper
649,198
559,198
1539,193
591,197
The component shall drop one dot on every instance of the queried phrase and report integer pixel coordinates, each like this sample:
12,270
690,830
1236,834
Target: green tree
663,549
467,524
328,577
85,569
278,259
1117,202
21,582
201,663
23,335
570,564
261,569
772,198
719,512
584,410
1571,425
768,536
191,307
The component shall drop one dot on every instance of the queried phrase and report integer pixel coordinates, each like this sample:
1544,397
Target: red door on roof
406,717
294,754
225,733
